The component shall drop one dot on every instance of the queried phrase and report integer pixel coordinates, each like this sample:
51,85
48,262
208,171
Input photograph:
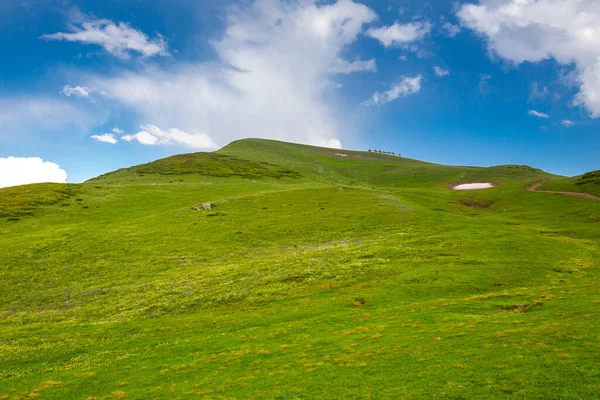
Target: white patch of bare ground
473,186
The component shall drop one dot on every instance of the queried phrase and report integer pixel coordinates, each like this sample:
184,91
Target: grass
24,200
586,183
315,276
207,164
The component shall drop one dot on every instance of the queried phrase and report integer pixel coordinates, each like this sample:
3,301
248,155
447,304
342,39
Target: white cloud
23,115
16,171
484,85
400,34
568,123
77,91
118,131
347,67
142,137
331,143
119,39
528,30
537,114
405,87
451,29
537,92
440,71
105,138
278,61
589,92
151,135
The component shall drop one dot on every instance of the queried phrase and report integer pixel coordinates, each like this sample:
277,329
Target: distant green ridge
270,159
586,183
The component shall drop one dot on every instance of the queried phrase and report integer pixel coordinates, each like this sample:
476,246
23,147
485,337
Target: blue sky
88,86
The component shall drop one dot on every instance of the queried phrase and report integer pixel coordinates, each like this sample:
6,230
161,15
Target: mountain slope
259,158
586,183
314,276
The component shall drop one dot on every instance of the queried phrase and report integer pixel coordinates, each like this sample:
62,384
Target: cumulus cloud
118,131
142,137
405,87
105,138
16,171
278,60
538,114
589,93
119,39
400,34
536,30
441,72
77,91
151,135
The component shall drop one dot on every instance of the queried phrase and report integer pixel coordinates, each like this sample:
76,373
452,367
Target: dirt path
532,188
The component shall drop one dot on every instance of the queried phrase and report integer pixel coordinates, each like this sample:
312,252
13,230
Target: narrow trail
532,188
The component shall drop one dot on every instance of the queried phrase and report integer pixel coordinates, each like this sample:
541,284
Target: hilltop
319,273
260,158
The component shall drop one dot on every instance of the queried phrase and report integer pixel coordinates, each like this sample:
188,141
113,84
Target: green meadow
586,183
318,274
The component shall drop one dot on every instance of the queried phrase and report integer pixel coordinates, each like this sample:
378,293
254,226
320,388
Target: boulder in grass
204,206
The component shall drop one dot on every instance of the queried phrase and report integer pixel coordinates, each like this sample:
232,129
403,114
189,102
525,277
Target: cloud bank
16,171
536,30
277,61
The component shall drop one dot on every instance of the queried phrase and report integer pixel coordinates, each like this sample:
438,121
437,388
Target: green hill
259,158
318,273
586,183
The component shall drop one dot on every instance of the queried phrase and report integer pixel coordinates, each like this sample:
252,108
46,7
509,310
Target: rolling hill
586,183
318,273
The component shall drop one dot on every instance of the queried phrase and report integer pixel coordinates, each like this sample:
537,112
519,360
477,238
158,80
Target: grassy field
586,183
315,275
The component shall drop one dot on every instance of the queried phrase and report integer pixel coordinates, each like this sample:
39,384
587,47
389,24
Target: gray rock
204,206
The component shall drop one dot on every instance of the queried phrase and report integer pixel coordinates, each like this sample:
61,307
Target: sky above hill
87,87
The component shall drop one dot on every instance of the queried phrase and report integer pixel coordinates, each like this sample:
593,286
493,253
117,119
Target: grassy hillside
314,276
258,159
586,183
